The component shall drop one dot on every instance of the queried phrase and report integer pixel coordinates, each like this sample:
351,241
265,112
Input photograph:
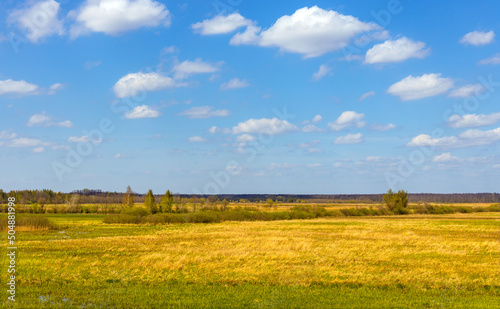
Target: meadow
409,261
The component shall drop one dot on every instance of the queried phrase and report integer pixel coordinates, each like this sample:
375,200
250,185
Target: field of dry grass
417,253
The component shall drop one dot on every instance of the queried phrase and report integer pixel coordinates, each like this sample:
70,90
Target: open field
413,261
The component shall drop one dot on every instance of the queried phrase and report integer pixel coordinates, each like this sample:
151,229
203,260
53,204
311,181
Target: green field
412,261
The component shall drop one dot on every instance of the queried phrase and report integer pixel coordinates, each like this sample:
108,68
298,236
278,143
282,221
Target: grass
412,261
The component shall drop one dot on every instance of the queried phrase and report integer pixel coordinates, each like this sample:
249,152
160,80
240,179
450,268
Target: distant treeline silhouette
46,196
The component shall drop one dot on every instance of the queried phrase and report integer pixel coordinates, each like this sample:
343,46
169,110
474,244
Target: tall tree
128,198
149,202
166,202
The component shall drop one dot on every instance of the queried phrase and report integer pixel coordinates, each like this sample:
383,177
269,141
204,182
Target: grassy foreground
414,261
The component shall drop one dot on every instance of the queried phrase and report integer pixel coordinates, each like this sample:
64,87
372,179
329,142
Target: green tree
128,198
166,202
396,202
149,202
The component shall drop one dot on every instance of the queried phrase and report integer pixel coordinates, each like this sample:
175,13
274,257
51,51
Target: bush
136,211
31,222
122,218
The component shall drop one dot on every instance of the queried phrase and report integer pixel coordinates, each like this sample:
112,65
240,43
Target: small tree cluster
396,202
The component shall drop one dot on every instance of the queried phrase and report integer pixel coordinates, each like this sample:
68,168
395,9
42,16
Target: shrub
31,222
121,218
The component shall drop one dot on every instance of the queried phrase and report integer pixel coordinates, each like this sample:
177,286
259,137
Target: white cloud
322,72
427,140
311,32
396,51
273,166
38,20
445,157
373,159
492,60
347,119
245,138
7,134
317,119
202,112
10,86
134,83
39,150
264,126
196,139
473,120
221,24
91,64
42,120
366,95
213,130
118,16
314,165
120,156
427,85
350,139
24,142
468,138
234,83
248,37
78,139
186,68
142,111
478,38
311,128
467,91
381,127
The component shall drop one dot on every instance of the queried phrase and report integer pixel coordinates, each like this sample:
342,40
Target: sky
235,96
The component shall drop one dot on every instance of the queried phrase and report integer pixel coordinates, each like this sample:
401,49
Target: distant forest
88,196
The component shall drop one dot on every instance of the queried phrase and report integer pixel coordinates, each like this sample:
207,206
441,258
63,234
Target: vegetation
411,261
397,202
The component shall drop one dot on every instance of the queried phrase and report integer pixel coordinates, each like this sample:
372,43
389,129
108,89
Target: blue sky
250,97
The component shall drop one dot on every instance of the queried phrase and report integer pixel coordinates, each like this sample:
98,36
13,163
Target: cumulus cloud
473,120
311,128
42,120
317,119
264,126
248,37
311,32
245,138
492,60
198,66
414,88
134,83
467,91
142,111
24,142
347,119
39,150
366,95
396,51
202,112
322,72
478,38
118,16
382,127
445,157
78,139
473,137
38,20
234,83
20,87
350,139
221,24
7,134
196,139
